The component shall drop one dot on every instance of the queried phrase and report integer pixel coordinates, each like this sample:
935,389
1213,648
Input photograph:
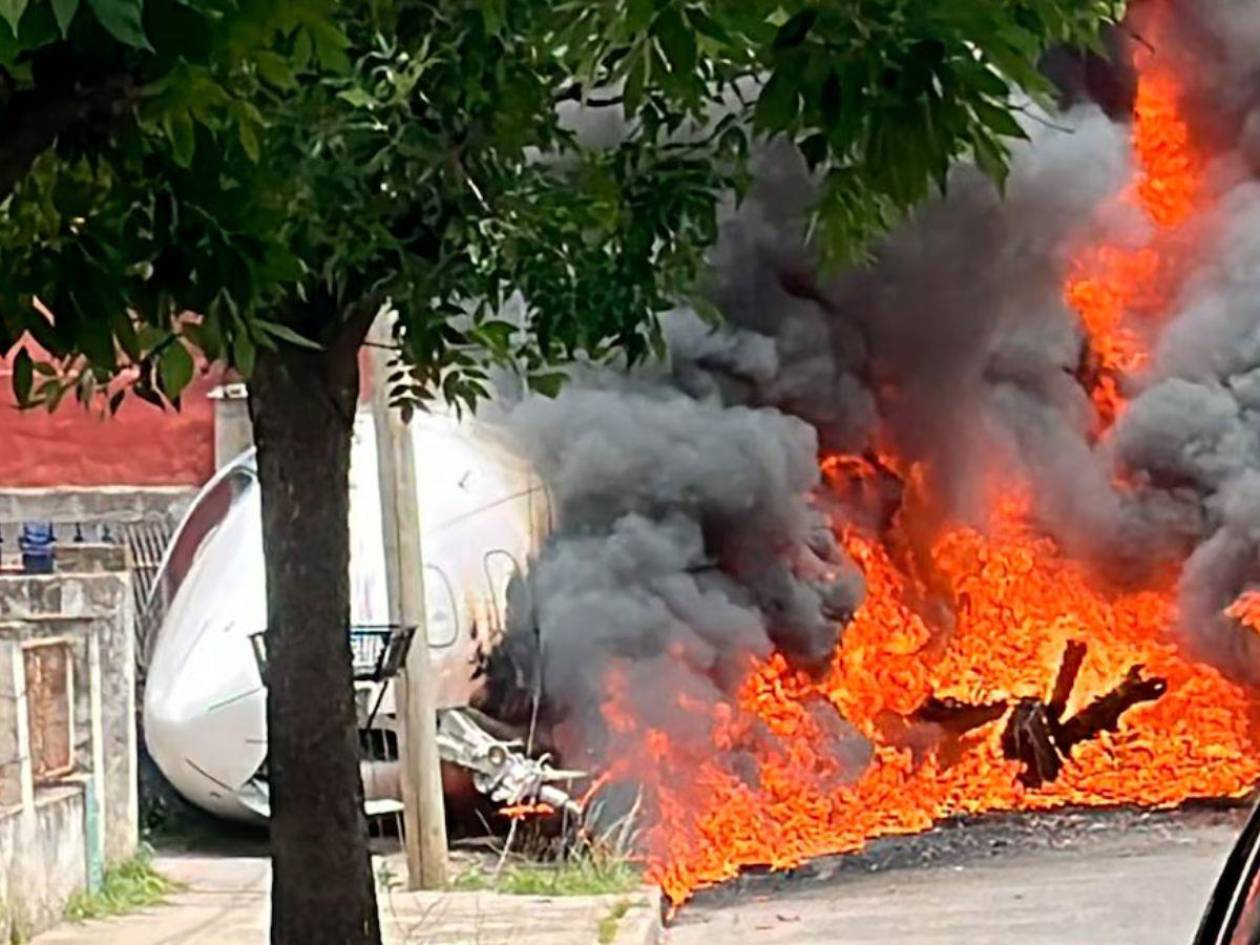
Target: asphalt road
1109,880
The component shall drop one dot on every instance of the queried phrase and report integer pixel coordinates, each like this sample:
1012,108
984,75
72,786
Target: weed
386,878
124,888
578,877
608,924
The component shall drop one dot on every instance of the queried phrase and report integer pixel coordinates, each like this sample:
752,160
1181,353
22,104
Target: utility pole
424,815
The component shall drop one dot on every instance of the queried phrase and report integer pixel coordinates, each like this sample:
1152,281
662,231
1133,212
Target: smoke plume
691,531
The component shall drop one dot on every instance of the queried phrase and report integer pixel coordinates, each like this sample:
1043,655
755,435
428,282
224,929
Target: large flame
1115,288
1015,602
969,617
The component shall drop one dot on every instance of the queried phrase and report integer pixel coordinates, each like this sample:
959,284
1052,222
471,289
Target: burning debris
1038,735
1036,732
970,530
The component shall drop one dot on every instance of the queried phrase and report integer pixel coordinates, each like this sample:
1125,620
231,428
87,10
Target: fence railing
146,540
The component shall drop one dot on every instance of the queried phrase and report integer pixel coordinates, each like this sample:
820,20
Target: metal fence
146,540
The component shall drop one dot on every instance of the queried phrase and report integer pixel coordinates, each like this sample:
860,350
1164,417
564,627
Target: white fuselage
483,514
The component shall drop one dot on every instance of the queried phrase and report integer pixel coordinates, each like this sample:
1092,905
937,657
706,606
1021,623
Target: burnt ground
1073,877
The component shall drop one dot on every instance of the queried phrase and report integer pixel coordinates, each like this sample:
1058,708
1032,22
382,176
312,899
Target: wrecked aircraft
484,513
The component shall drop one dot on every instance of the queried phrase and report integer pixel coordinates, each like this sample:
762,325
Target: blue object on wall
36,544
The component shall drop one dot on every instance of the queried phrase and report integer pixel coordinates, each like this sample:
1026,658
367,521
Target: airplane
485,512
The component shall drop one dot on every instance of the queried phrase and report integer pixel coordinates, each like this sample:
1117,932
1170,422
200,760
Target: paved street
1127,888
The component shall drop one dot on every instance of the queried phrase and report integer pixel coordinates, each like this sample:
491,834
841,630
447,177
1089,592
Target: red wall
139,446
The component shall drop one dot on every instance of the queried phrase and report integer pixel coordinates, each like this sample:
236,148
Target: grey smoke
683,540
690,529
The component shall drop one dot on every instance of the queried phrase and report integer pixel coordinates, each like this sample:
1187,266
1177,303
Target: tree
286,169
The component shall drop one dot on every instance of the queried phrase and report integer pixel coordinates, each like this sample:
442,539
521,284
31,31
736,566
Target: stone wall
59,834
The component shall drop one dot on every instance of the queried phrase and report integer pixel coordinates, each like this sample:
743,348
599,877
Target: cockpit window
202,521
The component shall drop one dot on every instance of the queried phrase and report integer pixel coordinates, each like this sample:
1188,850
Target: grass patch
125,888
608,924
582,877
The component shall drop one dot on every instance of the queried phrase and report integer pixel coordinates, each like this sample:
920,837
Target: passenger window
500,568
441,613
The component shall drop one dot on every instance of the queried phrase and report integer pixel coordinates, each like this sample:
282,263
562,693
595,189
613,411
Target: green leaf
302,48
243,354
122,18
125,332
496,334
179,128
65,10
793,32
547,384
249,140
275,69
54,394
778,104
357,97
175,370
998,120
330,45
11,11
492,12
23,377
705,26
638,15
96,340
992,159
285,333
677,41
632,93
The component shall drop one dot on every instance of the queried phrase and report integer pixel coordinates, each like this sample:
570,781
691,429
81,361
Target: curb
641,925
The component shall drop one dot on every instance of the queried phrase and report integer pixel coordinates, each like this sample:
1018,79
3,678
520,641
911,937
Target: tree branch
36,118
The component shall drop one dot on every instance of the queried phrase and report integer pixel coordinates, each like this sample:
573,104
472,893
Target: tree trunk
302,405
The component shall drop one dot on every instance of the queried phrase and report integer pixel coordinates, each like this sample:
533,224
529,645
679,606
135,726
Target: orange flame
1018,602
1109,285
1246,610
980,617
521,811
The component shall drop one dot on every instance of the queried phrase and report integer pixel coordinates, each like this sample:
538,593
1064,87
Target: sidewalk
226,903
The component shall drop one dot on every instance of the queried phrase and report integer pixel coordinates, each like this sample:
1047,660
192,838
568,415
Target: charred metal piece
1103,714
958,717
1039,736
1065,682
502,769
1029,737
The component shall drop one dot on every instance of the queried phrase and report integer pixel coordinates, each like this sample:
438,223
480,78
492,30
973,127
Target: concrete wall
43,860
94,610
114,505
58,833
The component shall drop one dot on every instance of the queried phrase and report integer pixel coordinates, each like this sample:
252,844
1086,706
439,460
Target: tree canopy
224,156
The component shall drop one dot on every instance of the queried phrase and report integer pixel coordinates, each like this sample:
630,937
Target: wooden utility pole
424,815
